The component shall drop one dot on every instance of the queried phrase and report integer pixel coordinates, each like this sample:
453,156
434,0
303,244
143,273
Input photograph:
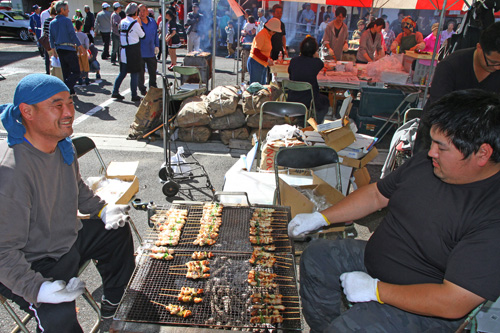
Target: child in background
83,59
249,30
230,39
93,63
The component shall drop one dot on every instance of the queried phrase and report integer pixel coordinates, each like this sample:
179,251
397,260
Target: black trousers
106,39
70,67
114,252
152,64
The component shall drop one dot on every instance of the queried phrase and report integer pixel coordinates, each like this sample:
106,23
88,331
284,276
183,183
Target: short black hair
251,19
490,38
308,47
248,11
326,17
78,24
341,10
169,12
380,22
276,7
469,118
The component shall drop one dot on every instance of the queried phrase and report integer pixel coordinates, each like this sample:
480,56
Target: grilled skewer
175,310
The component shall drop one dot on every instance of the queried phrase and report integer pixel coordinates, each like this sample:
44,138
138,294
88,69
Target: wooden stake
168,295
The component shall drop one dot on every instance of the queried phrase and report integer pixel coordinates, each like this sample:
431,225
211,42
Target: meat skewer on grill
257,280
265,312
209,224
185,298
274,319
175,310
199,255
187,291
261,240
169,224
161,256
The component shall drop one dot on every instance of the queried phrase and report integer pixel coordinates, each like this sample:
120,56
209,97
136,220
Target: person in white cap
260,53
115,32
103,25
131,33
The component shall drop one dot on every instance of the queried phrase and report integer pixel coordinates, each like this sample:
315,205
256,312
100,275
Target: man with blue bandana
43,243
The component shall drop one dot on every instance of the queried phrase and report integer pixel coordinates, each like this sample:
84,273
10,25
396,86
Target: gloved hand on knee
360,287
60,292
302,224
114,216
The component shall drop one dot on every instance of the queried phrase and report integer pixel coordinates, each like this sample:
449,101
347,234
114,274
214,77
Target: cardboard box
299,203
361,177
359,163
339,138
122,194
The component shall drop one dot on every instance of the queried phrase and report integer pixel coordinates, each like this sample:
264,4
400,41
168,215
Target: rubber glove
359,287
60,292
302,224
157,50
114,216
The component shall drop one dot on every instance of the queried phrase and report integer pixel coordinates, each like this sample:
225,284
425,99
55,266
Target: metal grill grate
226,301
233,233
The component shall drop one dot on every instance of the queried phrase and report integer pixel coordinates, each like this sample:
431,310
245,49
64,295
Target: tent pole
238,49
214,42
431,69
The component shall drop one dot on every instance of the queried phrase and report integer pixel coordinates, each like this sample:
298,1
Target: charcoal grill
226,301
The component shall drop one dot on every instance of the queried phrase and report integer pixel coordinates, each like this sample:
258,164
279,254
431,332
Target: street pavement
107,122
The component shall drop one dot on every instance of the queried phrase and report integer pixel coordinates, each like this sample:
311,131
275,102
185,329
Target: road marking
100,107
96,109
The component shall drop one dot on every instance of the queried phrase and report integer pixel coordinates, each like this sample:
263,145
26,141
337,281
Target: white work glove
115,216
359,287
60,292
157,50
302,224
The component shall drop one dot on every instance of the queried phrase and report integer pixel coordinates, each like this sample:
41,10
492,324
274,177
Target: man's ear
26,111
483,154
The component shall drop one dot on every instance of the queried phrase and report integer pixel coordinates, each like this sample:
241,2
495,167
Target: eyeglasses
489,63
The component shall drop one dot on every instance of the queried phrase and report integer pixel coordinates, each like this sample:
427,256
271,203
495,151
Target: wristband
328,222
378,295
100,212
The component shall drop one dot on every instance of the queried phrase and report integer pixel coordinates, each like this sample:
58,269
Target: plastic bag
319,201
282,132
55,62
178,163
393,62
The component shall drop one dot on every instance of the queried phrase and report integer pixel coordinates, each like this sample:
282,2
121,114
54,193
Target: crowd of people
127,33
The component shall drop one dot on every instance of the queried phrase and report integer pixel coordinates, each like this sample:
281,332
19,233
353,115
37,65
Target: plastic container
379,101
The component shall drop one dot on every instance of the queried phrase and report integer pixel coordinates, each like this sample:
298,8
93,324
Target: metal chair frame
300,86
395,118
305,157
84,144
21,323
180,93
280,109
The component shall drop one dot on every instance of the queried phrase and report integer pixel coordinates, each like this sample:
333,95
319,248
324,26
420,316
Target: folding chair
83,145
280,109
395,118
300,86
21,323
305,157
182,90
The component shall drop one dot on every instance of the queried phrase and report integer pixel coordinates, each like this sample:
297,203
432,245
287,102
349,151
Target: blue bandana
33,89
